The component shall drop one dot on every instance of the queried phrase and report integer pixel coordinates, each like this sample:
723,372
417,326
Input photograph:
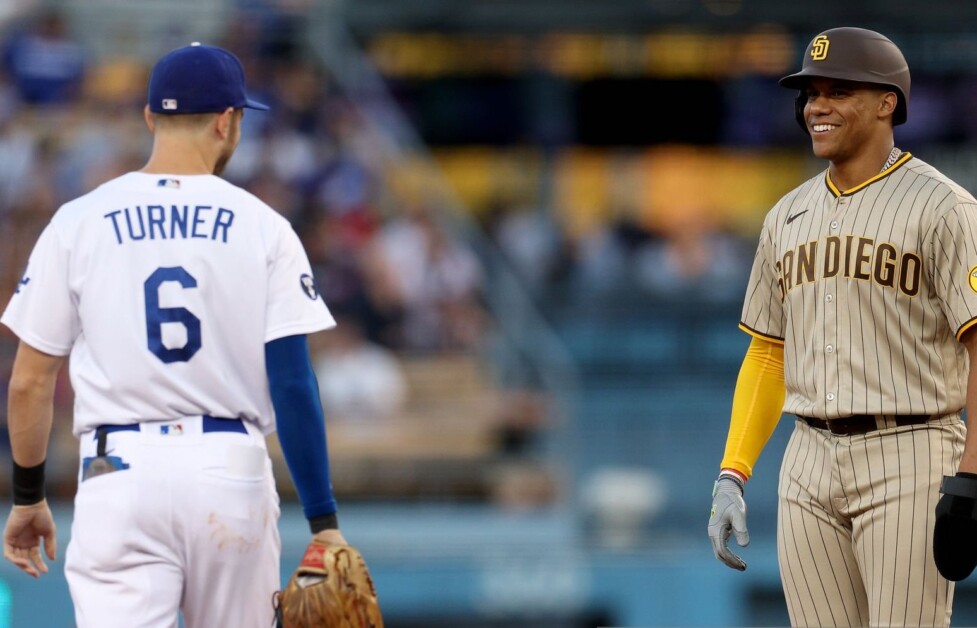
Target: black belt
861,423
210,424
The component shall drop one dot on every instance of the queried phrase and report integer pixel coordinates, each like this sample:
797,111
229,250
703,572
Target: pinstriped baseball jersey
869,290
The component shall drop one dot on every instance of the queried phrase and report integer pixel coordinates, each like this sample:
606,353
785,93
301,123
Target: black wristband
324,522
28,485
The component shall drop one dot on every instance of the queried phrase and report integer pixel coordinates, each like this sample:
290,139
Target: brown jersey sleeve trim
761,335
836,192
968,325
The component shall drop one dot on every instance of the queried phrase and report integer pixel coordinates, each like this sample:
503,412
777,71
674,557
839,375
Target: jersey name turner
171,222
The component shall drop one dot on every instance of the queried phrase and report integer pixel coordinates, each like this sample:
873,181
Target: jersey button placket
827,316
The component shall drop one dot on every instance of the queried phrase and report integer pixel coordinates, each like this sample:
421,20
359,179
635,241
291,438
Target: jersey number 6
156,316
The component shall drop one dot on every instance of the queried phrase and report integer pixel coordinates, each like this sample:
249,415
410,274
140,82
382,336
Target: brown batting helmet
853,54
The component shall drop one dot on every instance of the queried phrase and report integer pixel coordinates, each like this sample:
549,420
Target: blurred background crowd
534,222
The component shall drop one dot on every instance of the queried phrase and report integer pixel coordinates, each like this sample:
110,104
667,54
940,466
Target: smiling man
861,308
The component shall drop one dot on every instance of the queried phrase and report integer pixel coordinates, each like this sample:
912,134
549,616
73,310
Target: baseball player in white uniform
861,304
182,303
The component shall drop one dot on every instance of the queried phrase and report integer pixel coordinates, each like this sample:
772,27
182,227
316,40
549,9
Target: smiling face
846,119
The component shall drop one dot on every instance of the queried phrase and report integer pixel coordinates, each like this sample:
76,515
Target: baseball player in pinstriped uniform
860,304
184,304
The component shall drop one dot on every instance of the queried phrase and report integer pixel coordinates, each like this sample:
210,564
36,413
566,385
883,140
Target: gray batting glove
728,516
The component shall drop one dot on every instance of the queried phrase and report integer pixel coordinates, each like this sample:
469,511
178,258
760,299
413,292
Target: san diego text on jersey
852,257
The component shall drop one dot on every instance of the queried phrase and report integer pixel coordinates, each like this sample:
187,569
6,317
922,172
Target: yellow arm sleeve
758,402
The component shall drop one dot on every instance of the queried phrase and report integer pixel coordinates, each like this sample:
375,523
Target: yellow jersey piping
834,190
763,336
963,328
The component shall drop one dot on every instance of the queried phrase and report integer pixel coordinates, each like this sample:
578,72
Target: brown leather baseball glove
331,588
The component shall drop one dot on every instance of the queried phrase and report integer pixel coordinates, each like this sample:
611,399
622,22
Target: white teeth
820,128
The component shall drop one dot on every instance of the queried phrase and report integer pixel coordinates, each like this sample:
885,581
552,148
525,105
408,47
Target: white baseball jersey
164,290
869,290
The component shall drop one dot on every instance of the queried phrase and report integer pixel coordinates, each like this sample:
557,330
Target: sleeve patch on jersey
308,286
973,278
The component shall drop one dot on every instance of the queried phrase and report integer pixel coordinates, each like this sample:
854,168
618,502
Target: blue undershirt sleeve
301,425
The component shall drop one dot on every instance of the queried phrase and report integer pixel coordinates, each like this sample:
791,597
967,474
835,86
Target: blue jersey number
156,316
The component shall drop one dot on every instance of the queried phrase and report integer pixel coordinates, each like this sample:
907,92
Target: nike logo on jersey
790,219
23,282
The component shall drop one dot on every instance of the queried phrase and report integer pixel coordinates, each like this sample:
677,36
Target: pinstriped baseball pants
855,525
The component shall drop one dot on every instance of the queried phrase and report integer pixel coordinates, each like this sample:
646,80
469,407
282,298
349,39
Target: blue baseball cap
198,79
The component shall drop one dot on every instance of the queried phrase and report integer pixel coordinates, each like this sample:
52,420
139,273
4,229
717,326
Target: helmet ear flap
799,103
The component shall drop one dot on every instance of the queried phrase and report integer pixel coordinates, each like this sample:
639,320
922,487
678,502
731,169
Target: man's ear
225,123
148,117
887,106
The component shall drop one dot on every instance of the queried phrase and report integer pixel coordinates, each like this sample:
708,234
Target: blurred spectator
10,102
604,258
18,151
521,422
688,257
359,381
530,239
694,259
439,279
353,279
45,64
32,197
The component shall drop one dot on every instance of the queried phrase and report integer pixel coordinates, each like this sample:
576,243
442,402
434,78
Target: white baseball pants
190,525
